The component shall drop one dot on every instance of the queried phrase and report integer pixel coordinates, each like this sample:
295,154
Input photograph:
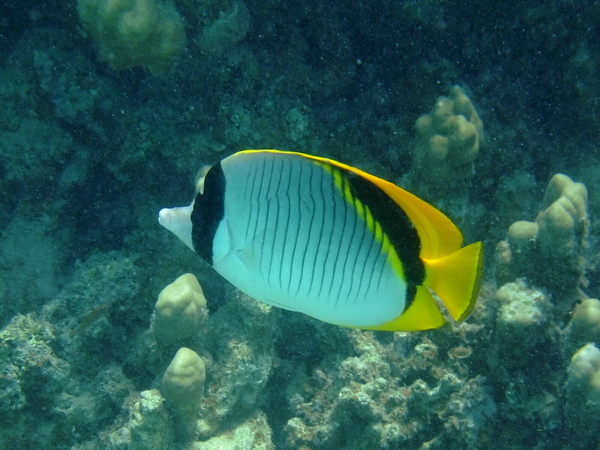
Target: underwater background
108,109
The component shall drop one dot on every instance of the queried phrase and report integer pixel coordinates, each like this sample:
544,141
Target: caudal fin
456,279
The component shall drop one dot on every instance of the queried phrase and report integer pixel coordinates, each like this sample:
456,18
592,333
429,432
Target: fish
90,318
310,234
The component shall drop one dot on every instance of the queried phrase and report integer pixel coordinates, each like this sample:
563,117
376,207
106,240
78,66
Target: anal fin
422,314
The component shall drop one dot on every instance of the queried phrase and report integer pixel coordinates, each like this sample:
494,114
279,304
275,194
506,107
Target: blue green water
109,109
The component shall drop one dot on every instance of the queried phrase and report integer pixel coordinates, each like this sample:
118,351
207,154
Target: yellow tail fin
456,279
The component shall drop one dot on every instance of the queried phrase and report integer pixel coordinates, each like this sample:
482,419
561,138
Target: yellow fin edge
422,314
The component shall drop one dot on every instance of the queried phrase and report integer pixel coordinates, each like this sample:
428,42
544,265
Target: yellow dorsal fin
456,279
438,234
422,314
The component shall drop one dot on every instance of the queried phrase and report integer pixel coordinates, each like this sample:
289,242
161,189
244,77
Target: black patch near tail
396,225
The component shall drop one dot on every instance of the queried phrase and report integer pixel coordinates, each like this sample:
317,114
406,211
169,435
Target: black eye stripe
208,212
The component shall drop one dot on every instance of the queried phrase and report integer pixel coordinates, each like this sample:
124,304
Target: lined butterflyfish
313,235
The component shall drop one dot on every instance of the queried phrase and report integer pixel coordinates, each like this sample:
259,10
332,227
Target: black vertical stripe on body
277,205
377,246
310,229
367,259
394,223
358,253
379,230
349,247
254,204
288,181
259,223
332,229
318,187
250,176
209,210
297,202
322,179
267,199
248,189
345,210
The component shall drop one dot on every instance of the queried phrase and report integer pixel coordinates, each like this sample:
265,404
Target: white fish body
309,235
